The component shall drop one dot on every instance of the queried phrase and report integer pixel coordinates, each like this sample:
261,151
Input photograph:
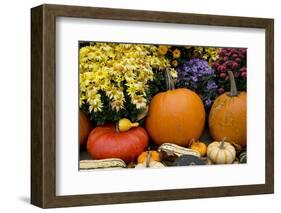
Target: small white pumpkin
221,152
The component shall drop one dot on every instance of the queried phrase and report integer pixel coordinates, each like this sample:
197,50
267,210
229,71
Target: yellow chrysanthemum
175,63
105,67
174,73
176,53
163,49
139,101
207,53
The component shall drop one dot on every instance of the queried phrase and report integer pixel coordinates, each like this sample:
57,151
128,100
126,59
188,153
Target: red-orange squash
85,128
108,142
175,116
227,118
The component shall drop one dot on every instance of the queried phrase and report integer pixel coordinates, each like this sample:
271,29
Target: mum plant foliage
115,79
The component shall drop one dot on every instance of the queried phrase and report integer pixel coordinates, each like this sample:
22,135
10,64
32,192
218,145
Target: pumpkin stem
222,143
233,89
169,81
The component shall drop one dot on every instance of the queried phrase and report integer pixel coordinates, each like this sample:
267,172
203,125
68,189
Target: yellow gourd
125,124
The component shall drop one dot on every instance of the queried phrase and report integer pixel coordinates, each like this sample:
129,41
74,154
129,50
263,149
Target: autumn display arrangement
156,106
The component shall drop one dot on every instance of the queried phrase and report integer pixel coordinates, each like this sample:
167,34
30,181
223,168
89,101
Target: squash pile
169,132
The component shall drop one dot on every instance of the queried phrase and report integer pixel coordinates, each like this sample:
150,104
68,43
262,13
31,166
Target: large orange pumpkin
227,119
85,128
175,116
107,142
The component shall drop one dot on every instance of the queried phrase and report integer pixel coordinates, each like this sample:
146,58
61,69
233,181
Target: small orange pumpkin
175,116
199,146
154,155
227,118
85,128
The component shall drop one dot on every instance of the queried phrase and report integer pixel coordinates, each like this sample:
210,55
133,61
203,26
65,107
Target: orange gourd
227,118
199,146
175,116
85,128
154,155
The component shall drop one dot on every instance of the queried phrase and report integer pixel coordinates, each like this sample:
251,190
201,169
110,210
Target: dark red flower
233,51
243,69
244,74
222,68
228,64
215,65
241,55
234,65
243,51
238,60
223,74
222,53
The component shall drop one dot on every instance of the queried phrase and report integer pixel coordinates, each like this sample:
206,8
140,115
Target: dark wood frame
43,105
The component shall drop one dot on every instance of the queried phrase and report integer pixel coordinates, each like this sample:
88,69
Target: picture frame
43,105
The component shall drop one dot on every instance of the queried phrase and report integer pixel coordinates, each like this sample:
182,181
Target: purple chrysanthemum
197,75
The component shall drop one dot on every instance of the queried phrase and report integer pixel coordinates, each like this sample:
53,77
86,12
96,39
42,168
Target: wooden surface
43,105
